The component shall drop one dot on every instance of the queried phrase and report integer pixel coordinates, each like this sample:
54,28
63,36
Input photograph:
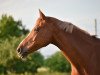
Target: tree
9,61
57,62
9,27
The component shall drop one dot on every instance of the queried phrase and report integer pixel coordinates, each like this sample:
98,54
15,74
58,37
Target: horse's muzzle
22,53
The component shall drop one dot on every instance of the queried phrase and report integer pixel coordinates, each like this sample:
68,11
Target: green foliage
9,60
10,27
57,62
38,58
7,52
11,33
52,73
43,73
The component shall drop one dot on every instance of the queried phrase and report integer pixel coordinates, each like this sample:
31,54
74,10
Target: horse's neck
74,46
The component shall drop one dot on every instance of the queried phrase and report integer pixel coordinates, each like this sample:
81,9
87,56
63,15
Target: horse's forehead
40,22
46,22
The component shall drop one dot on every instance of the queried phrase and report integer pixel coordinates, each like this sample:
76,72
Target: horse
78,46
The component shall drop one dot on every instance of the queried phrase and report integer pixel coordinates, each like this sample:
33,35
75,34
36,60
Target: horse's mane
64,24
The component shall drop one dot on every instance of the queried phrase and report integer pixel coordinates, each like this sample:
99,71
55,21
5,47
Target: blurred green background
11,34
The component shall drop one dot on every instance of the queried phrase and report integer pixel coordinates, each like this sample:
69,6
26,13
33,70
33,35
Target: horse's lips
23,55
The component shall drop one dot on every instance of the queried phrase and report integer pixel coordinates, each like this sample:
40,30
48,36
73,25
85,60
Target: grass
40,73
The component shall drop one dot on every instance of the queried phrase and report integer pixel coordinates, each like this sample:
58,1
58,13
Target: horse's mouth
22,55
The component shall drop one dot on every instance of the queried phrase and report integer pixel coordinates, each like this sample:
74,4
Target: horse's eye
36,29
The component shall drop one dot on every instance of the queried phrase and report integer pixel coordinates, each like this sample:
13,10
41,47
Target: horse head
40,36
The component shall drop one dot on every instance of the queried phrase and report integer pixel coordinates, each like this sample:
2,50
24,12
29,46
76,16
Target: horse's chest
74,71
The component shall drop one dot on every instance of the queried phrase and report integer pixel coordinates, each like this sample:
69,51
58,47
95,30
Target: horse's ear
41,14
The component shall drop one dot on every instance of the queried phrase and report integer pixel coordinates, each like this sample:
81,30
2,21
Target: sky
79,12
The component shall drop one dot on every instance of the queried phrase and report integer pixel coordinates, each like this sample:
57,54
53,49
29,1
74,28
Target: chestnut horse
80,48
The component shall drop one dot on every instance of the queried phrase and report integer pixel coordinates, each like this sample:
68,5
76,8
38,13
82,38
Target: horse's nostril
19,50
